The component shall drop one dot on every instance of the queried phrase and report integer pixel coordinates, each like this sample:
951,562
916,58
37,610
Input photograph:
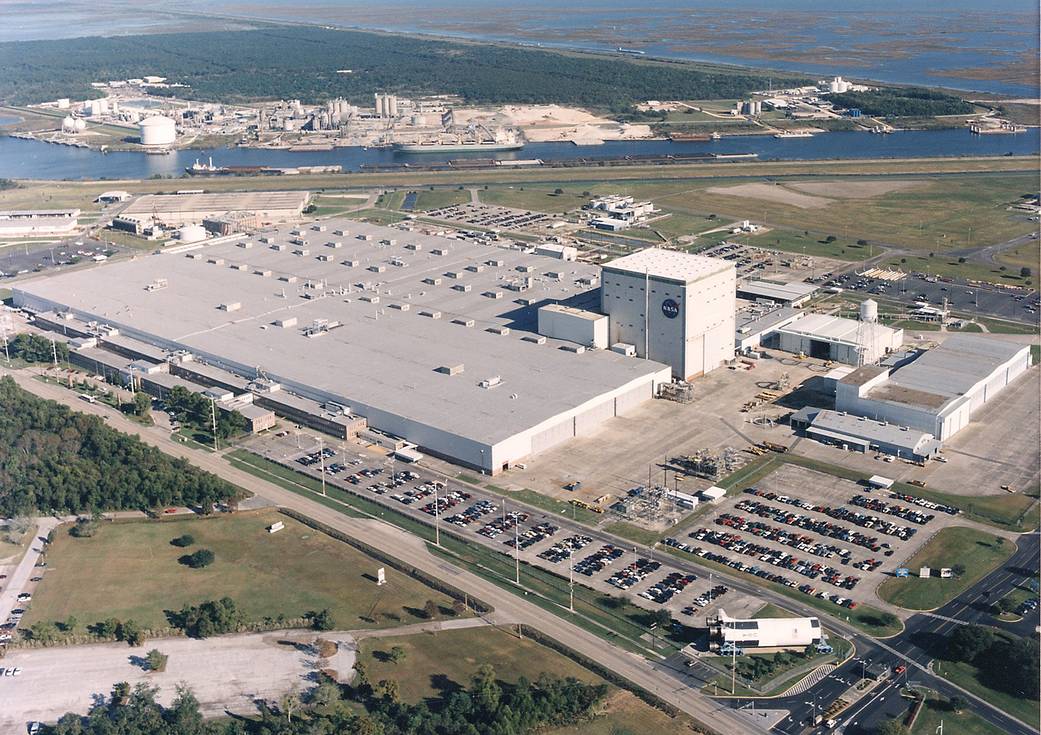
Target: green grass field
979,553
965,676
438,663
130,570
427,199
937,709
536,198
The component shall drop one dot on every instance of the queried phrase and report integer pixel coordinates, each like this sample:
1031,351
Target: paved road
18,581
509,608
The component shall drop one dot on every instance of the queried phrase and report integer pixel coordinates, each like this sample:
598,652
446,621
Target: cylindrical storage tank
158,130
79,125
191,233
68,125
869,311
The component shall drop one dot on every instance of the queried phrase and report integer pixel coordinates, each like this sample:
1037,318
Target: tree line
56,459
195,411
486,706
906,102
303,63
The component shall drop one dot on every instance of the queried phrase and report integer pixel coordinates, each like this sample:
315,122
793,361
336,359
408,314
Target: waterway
27,159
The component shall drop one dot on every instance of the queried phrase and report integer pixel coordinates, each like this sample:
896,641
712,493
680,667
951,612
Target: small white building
587,328
848,341
567,253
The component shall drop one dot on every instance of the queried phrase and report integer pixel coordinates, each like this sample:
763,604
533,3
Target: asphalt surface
984,301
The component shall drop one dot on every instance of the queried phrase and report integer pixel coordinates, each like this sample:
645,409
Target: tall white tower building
673,307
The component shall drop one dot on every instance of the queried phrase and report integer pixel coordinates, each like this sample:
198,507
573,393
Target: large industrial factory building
938,391
175,210
672,307
430,339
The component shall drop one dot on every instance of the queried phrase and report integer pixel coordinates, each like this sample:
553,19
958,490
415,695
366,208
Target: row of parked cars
625,578
533,535
599,560
788,538
777,558
668,588
808,523
880,506
563,549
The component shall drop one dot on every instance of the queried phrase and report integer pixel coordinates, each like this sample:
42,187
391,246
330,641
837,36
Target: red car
899,669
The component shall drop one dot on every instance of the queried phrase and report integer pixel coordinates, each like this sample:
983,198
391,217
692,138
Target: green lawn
784,677
979,552
1017,596
130,570
965,676
812,245
377,216
949,267
538,199
937,709
427,199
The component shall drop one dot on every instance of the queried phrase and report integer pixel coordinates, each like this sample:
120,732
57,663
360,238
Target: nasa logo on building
670,308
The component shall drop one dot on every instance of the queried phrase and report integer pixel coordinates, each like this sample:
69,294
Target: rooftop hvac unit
263,272
577,349
430,314
464,287
432,281
245,244
502,331
534,338
450,369
156,285
475,268
342,233
493,294
335,244
463,322
414,246
399,307
491,382
231,306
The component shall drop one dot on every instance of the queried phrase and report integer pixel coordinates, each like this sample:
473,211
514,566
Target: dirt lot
225,673
853,189
772,193
553,122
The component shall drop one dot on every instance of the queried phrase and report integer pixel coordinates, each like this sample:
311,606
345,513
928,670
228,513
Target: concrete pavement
18,581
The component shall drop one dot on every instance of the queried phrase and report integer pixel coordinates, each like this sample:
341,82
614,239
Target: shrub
199,559
183,540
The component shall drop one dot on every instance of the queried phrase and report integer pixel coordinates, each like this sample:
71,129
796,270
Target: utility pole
571,576
437,518
516,553
321,454
213,418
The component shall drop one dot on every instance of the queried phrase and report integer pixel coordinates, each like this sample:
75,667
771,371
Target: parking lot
535,537
984,300
489,216
823,535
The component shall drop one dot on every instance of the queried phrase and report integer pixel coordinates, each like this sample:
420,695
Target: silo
158,131
869,311
392,106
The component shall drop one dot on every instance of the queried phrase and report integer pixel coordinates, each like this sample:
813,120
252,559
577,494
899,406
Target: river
27,159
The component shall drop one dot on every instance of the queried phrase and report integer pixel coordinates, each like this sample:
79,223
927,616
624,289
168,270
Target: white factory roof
842,426
787,292
946,373
669,265
837,329
390,321
572,311
218,201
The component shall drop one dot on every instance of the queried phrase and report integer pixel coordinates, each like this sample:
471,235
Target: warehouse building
796,633
23,222
175,210
862,434
785,293
833,338
672,307
422,336
938,391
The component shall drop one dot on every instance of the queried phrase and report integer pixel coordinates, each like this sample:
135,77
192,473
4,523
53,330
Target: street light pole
437,518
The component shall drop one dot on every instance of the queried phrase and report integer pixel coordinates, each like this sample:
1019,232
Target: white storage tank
869,311
191,233
68,125
158,130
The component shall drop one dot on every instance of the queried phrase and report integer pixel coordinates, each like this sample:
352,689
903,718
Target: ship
793,135
208,169
497,143
635,51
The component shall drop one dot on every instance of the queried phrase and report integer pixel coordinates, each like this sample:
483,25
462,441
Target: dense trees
1004,661
213,617
37,348
904,102
52,458
486,707
198,559
285,62
195,410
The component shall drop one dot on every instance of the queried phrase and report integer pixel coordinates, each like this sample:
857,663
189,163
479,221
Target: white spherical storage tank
158,130
68,125
80,125
191,233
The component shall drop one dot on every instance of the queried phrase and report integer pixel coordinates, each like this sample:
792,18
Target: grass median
972,553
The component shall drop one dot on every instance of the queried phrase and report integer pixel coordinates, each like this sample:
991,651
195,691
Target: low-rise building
29,222
862,434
